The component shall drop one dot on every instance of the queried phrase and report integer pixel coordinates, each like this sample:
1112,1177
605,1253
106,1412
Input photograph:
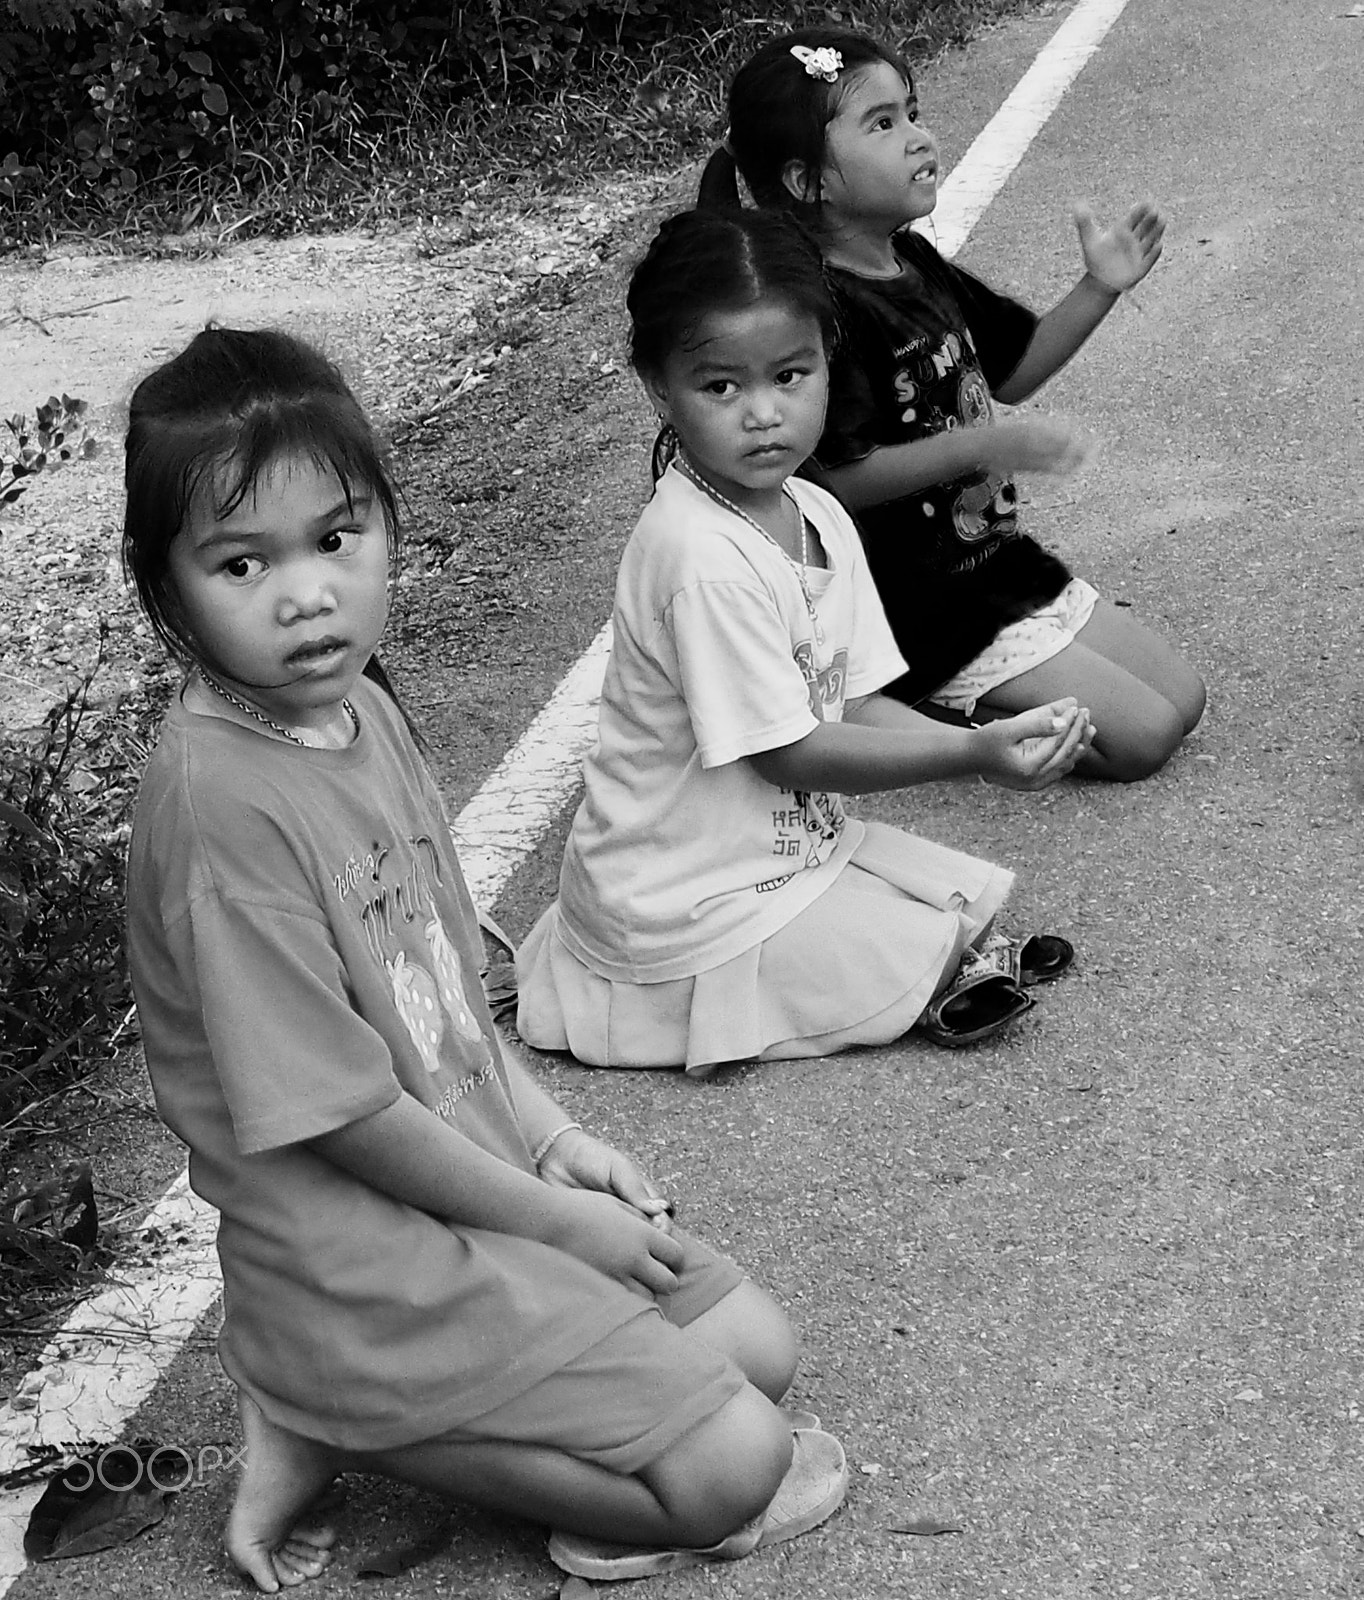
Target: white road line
983,171
505,820
110,1353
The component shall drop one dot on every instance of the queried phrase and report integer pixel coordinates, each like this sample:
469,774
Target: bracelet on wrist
548,1142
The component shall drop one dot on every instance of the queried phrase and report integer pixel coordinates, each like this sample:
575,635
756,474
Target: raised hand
1036,748
614,1238
1120,256
1035,444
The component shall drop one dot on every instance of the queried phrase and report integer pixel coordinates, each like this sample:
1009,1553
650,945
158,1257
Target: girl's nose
306,594
764,409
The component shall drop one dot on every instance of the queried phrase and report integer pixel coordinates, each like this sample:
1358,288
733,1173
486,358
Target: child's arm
409,1153
1011,445
882,744
1116,259
576,1159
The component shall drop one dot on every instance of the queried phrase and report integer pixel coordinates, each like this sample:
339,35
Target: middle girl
716,904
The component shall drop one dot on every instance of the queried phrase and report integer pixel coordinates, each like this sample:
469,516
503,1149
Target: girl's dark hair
705,261
207,424
779,113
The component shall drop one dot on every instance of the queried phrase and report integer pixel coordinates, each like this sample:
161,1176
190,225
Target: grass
627,113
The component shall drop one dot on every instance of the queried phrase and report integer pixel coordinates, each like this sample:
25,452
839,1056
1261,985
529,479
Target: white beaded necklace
690,471
260,716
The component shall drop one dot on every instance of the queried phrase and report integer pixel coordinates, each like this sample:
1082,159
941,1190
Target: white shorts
1036,638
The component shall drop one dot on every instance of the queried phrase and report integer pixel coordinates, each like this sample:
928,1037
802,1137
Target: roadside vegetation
142,127
121,119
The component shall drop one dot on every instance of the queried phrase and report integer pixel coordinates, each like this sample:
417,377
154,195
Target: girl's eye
335,540
243,567
913,112
721,387
883,124
789,375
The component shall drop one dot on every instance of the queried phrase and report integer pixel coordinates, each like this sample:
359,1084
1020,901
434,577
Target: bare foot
283,1477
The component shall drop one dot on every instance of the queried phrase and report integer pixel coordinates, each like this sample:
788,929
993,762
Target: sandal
812,1490
498,969
976,1004
1041,959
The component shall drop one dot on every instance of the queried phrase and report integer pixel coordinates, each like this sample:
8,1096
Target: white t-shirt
681,857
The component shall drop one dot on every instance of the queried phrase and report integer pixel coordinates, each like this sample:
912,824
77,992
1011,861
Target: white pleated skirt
856,967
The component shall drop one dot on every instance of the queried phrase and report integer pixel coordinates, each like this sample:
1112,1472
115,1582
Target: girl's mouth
928,173
317,653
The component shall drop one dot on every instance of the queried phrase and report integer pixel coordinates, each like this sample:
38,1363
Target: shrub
136,86
66,793
54,438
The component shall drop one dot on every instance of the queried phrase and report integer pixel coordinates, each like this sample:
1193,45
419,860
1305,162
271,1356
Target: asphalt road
1090,1295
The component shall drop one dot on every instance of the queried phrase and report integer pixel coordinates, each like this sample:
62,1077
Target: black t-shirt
920,354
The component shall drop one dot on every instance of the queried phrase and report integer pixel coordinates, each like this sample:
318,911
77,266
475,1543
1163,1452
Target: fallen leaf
104,1498
577,1589
1250,1394
926,1528
402,1558
870,1468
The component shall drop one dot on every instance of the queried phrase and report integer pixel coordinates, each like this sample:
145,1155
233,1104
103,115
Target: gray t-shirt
303,950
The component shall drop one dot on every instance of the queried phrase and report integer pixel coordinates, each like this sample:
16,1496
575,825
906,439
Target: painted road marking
983,171
108,1356
506,819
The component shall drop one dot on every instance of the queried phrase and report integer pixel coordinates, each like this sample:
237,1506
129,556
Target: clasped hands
610,1214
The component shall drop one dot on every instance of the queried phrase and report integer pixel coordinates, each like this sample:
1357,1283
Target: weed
66,795
624,98
54,438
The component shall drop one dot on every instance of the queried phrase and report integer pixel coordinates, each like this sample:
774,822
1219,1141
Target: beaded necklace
800,566
260,716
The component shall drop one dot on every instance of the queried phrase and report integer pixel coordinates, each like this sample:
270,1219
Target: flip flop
1027,962
976,1004
812,1490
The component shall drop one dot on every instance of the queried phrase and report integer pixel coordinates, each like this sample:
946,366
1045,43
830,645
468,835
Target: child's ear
657,393
802,183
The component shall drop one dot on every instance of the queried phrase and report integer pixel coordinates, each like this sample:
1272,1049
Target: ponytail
719,186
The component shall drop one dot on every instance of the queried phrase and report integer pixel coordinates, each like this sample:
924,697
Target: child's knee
1143,745
774,1366
756,1334
725,1471
1193,701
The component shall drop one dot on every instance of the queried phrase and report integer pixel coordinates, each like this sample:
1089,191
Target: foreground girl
429,1270
824,123
716,904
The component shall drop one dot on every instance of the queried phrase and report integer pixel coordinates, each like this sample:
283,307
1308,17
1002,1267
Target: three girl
429,1269
824,125
716,903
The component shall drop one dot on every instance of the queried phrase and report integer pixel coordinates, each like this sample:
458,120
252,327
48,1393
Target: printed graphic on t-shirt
398,910
826,685
805,831
939,386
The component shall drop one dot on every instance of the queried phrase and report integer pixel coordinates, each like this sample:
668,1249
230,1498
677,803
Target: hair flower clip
824,63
